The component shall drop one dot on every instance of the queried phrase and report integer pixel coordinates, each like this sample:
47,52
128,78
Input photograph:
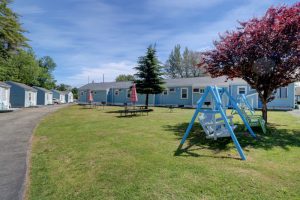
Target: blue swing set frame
217,94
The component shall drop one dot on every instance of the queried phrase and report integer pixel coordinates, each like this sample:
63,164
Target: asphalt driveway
15,132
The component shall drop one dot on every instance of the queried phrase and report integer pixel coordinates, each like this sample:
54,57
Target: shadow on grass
275,137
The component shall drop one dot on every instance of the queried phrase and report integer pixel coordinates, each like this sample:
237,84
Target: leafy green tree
23,67
11,32
124,77
75,92
149,76
46,78
63,87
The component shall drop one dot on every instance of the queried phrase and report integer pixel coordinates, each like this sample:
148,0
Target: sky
89,38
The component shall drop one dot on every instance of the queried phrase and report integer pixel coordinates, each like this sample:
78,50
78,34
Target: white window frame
239,87
187,93
116,92
279,93
165,92
172,89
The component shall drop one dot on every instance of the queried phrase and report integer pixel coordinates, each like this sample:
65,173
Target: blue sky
88,38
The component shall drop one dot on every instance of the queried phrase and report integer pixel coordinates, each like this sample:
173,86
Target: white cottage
4,96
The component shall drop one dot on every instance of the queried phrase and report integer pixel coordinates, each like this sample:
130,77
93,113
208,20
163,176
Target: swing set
214,127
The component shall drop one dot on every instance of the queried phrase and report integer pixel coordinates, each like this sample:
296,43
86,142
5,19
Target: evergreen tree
184,66
149,76
173,66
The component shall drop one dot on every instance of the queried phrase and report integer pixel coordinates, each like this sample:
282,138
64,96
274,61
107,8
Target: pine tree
149,76
173,66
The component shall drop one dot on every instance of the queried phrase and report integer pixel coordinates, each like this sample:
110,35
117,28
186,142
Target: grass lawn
94,154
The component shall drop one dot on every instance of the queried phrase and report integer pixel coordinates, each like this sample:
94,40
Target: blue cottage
69,97
44,96
22,95
59,96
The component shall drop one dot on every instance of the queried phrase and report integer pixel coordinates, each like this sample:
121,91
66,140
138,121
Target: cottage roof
4,85
42,89
196,81
57,91
22,85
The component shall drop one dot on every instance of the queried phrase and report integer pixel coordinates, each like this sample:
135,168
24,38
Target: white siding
4,98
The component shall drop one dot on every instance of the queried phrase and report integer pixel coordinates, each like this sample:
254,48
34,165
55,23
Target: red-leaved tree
265,52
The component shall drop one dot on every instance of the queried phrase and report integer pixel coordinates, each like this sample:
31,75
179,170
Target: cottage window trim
187,93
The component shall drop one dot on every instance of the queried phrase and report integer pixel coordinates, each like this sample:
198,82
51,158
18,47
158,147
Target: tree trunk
147,100
265,111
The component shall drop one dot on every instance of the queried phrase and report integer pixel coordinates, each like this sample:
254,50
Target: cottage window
116,92
81,93
282,93
29,96
184,93
201,90
242,90
165,92
196,90
172,89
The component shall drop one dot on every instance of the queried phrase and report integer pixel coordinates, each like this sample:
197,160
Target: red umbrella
133,96
90,96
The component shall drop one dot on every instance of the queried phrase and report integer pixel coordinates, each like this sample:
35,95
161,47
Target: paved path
295,112
15,132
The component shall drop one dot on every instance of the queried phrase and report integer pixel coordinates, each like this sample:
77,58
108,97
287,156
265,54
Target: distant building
4,96
44,96
69,97
59,95
22,95
185,92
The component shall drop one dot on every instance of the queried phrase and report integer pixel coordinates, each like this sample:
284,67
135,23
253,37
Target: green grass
94,154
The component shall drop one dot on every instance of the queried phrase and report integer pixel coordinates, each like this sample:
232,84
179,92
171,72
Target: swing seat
215,128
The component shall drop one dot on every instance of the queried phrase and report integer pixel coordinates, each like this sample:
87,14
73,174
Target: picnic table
135,110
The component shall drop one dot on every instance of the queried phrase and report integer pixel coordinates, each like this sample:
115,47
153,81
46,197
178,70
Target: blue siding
288,102
174,98
123,98
40,97
99,95
17,96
